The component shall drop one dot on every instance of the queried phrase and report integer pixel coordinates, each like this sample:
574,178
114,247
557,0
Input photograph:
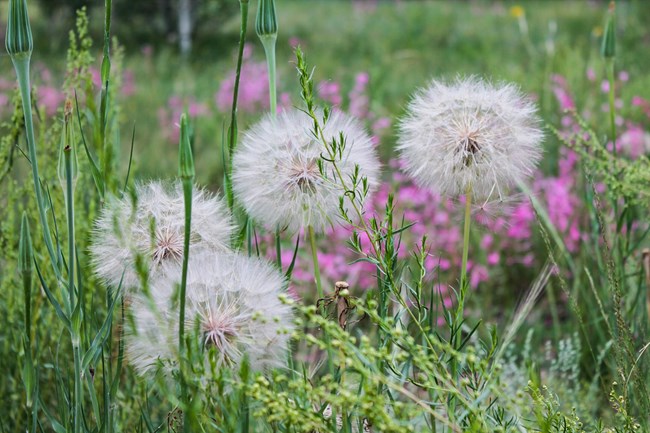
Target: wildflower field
324,216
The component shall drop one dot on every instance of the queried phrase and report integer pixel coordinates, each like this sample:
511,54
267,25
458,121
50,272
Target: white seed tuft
276,174
154,229
232,301
470,133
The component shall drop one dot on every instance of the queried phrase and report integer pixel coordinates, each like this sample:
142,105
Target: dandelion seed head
152,227
232,302
470,132
276,172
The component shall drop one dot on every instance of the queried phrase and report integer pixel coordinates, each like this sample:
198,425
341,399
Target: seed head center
169,245
218,332
304,174
469,147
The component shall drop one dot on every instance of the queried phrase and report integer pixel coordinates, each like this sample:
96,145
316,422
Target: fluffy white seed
276,174
470,134
153,228
232,301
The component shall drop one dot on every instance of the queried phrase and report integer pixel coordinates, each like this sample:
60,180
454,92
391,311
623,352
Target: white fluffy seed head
470,132
153,228
231,300
276,174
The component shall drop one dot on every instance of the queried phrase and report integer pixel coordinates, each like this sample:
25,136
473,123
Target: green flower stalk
19,44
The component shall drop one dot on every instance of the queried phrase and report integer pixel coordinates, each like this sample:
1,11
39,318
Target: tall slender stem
76,309
612,102
21,64
187,193
314,256
69,204
463,270
232,129
462,293
232,133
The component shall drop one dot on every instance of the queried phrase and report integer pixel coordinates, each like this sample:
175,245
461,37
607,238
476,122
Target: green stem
21,64
187,192
240,58
69,204
76,329
314,256
462,292
269,49
278,249
463,270
232,130
612,102
78,389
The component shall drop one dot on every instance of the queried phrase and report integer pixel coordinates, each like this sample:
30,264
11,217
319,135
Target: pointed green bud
186,160
67,149
266,21
608,47
18,39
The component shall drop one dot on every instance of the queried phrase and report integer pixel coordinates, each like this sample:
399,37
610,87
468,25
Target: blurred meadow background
369,57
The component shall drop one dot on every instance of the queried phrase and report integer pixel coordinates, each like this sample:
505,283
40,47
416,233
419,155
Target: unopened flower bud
266,21
18,40
608,47
186,160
